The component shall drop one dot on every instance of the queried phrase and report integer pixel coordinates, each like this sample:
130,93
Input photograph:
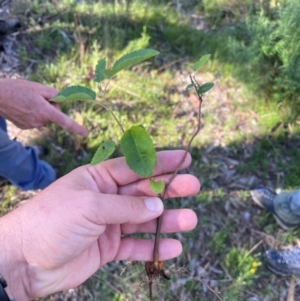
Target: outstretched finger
142,250
47,92
117,169
175,220
67,123
183,185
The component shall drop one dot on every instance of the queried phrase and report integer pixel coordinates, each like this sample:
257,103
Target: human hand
68,231
26,104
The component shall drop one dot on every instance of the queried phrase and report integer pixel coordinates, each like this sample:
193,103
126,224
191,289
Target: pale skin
68,231
27,105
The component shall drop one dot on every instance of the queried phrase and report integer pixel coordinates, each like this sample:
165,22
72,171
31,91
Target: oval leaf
101,65
205,87
201,61
129,60
157,186
105,149
74,93
139,150
189,87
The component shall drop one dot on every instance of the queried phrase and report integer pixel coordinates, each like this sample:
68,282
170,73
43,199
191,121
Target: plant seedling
136,143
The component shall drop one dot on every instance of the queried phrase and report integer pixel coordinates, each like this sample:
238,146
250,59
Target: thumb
121,209
48,92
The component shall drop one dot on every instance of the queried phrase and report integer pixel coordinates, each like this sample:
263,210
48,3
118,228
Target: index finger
66,122
167,162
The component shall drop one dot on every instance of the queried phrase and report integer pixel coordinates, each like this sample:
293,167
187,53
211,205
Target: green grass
63,49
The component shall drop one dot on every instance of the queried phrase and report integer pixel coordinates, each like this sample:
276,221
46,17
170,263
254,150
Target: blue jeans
21,165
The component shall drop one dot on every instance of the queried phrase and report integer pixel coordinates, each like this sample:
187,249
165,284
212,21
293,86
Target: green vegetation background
250,133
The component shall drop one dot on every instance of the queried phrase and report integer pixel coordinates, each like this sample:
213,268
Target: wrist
12,265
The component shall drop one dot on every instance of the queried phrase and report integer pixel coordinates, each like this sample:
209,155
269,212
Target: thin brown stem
107,107
151,289
163,195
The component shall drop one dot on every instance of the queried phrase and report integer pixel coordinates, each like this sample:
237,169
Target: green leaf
205,87
139,150
105,149
201,61
157,186
74,93
189,87
101,65
129,60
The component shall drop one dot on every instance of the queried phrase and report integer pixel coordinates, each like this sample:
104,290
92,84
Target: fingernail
154,204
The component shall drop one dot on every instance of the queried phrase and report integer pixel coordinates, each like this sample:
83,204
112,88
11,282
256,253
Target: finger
183,185
111,209
142,250
45,91
55,105
167,162
67,123
175,220
48,92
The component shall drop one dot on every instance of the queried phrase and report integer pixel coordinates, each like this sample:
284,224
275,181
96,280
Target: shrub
264,49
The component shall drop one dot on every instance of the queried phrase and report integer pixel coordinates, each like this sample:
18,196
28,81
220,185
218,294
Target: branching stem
107,107
156,268
163,194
